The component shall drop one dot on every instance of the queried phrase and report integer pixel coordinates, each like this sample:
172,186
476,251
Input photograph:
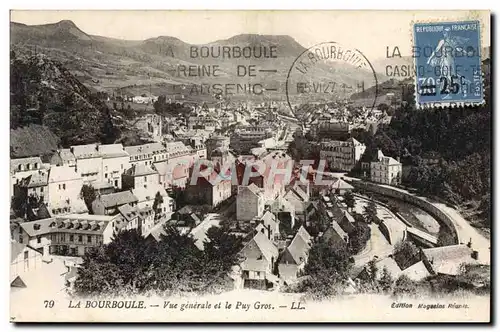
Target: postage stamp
448,64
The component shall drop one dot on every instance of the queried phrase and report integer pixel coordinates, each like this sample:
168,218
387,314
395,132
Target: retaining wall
440,216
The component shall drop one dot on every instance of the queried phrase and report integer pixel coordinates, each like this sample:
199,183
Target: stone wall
421,202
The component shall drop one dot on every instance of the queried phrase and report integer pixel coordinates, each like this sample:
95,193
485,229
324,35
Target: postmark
447,58
330,73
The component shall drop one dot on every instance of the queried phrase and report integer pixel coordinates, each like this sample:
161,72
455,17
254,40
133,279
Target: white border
198,4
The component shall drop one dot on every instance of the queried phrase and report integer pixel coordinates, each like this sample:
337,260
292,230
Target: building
146,154
260,256
109,204
335,235
88,162
294,257
212,191
386,170
64,188
69,235
249,202
180,154
62,157
140,176
146,198
448,260
245,138
269,225
329,129
23,259
35,185
297,197
199,149
23,167
171,175
342,155
217,142
115,160
152,125
133,218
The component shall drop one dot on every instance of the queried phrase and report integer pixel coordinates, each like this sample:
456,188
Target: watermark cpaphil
274,172
328,72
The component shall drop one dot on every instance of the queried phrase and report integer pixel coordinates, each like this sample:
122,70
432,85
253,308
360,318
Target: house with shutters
71,234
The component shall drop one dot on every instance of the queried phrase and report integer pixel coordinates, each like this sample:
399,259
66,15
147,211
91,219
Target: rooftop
116,199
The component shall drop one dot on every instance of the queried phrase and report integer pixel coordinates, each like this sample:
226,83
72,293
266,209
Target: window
116,183
41,189
71,238
20,239
26,254
145,179
20,167
59,186
80,238
121,166
38,239
89,238
28,166
105,168
36,165
105,175
64,186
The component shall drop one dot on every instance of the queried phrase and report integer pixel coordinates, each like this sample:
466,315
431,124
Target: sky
369,31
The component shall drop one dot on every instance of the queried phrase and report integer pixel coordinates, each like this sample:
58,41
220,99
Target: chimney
475,254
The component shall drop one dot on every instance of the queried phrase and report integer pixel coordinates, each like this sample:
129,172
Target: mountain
157,65
46,97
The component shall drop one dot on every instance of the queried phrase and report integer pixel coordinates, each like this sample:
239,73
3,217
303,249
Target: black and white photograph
250,166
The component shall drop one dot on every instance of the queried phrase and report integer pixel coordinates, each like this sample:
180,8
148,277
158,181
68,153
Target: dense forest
446,152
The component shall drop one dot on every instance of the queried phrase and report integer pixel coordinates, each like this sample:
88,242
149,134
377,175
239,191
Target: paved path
377,245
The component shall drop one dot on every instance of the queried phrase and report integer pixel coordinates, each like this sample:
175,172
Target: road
468,233
465,231
378,244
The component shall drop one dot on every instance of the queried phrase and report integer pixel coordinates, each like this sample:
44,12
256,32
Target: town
69,202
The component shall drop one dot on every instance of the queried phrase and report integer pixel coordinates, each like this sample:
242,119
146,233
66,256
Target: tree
328,268
359,237
406,254
87,193
372,270
445,237
404,286
386,281
158,201
370,212
349,200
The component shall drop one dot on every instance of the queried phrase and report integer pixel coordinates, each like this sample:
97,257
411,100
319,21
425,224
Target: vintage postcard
250,166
